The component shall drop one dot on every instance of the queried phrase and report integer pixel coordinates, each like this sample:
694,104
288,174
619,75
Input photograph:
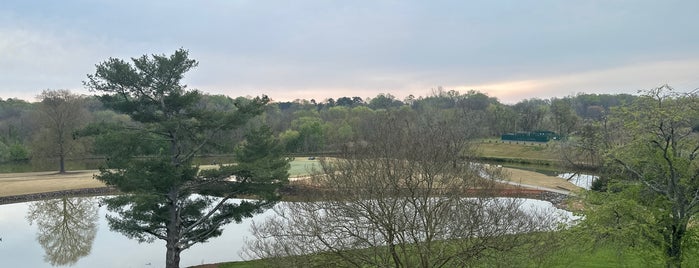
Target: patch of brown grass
41,182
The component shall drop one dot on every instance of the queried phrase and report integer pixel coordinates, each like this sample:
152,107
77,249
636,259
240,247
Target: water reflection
582,180
66,228
20,246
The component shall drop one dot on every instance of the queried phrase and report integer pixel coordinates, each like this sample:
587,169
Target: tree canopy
60,113
655,171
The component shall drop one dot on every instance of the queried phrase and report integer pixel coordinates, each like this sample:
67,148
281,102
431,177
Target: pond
74,232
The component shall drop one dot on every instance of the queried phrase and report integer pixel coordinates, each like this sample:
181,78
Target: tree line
46,129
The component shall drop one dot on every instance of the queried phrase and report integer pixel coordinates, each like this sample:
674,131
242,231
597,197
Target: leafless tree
399,199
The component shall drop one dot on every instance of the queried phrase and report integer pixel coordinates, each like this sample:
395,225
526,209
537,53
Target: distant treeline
307,126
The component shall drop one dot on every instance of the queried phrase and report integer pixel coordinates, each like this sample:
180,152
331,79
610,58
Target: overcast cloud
321,49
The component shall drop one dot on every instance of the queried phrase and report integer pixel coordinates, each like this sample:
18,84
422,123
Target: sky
319,49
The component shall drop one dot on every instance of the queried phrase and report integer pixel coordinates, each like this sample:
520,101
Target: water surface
64,230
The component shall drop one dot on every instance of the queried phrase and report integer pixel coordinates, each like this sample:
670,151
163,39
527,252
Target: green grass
301,166
602,257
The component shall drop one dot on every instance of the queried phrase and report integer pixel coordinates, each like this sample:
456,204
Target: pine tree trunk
172,257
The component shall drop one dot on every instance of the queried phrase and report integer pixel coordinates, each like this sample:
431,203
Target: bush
17,152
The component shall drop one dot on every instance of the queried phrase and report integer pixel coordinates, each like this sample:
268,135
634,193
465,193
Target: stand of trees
16,128
30,130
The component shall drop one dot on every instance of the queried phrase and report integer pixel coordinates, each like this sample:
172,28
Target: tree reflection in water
66,227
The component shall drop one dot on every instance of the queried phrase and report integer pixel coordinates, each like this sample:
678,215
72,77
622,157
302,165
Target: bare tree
60,112
398,199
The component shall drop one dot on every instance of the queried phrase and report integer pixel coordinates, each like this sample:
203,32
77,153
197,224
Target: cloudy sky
320,49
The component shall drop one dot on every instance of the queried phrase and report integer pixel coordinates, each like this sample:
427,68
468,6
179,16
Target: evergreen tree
165,196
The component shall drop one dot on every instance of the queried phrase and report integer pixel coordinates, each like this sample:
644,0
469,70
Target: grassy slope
564,255
519,151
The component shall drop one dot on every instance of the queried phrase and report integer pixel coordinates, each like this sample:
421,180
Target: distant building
538,136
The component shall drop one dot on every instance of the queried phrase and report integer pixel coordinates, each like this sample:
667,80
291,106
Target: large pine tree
151,160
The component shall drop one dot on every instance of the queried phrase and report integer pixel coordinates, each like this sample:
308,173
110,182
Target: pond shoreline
557,199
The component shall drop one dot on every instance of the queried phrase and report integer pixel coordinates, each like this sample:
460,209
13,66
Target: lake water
73,232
